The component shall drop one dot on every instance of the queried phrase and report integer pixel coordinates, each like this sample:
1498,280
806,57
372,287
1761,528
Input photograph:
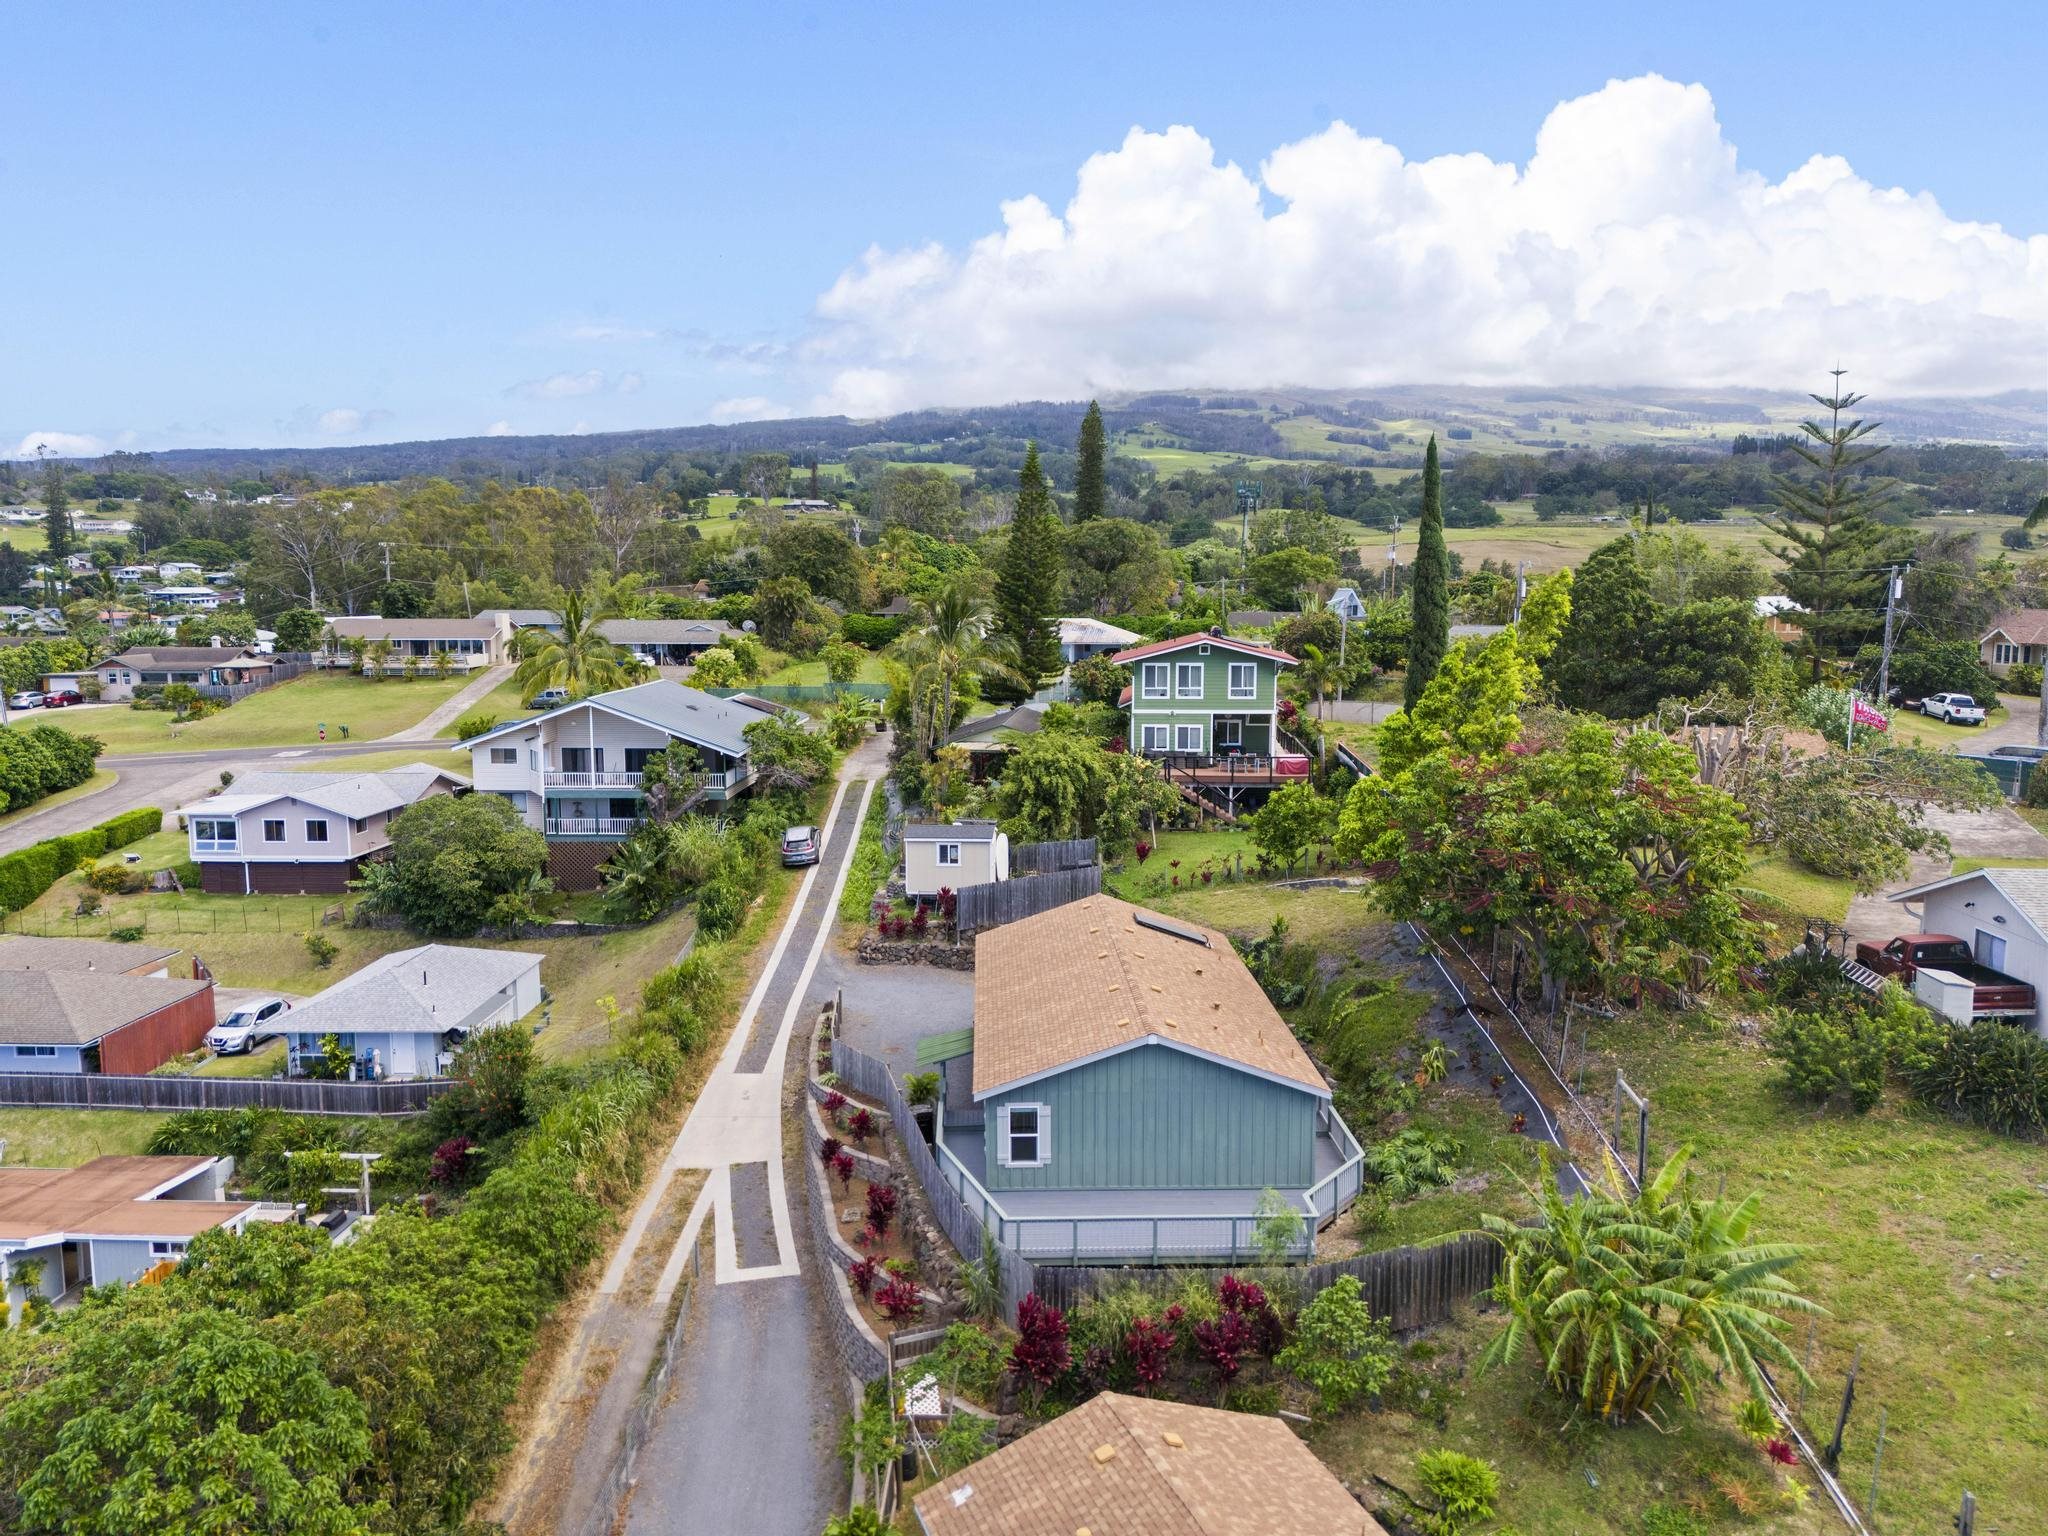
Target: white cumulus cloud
498,429
749,408
60,445
560,386
1631,247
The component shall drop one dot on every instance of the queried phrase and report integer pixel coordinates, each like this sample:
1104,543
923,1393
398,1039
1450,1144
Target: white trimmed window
1187,738
505,757
273,831
2005,655
1025,1136
1244,679
1187,679
1156,738
316,831
166,1250
1153,680
215,831
35,1050
949,855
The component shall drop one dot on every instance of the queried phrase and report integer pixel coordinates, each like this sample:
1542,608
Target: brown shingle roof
1091,977
79,1007
2022,626
187,656
104,1198
1136,1466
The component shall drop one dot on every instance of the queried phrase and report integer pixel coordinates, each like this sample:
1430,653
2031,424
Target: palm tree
376,654
1624,1295
951,636
579,659
1318,672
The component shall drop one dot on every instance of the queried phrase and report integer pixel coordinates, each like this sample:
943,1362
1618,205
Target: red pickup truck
1996,994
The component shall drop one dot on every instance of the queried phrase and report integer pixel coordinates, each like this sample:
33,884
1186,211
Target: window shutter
1044,1135
1003,1136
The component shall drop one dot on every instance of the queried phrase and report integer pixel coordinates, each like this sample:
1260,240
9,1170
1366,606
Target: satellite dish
747,625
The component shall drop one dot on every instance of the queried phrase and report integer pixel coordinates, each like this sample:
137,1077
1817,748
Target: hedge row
27,874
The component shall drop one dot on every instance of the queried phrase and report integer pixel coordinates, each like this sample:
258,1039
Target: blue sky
256,224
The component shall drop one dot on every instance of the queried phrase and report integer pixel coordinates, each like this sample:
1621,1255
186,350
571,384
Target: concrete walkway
1992,835
455,708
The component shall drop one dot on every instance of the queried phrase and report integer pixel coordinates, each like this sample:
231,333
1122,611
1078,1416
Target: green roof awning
933,1049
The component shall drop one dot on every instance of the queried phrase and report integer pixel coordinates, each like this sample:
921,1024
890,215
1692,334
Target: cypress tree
1027,586
1088,493
57,513
1429,635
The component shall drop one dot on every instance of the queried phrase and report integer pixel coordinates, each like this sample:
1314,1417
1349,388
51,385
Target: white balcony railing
591,826
603,778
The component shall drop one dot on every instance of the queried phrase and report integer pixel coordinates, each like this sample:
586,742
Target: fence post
1876,1462
1833,1454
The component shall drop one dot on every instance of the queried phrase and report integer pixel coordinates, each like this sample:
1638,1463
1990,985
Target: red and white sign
1865,715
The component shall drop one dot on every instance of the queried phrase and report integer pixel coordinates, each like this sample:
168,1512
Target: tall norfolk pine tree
1430,589
1028,585
1832,547
1088,493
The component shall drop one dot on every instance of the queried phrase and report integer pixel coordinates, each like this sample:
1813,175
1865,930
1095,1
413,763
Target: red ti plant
1225,1342
900,1299
1147,1346
1781,1452
835,1104
450,1158
1142,850
842,1169
881,1207
829,1150
1040,1353
920,920
862,1273
861,1126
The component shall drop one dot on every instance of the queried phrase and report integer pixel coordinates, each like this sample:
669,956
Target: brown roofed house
1129,1092
99,1021
1121,1466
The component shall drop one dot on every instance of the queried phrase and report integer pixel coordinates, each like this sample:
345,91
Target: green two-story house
1203,696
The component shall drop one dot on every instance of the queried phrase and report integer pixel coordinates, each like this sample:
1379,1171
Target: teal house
1128,1093
1208,708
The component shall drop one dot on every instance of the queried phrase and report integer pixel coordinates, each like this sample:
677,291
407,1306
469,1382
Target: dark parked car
799,846
62,697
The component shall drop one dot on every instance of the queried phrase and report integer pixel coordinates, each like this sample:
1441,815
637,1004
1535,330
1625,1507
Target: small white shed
947,856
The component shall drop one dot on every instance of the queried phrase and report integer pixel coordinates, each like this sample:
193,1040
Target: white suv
252,1021
1954,708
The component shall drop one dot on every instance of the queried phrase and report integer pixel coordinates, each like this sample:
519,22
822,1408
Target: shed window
316,831
949,853
273,831
1026,1136
1244,679
1152,682
1187,682
505,757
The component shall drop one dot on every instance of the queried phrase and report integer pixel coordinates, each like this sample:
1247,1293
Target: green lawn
811,674
441,754
288,715
266,1060
1799,891
502,701
1915,729
64,1138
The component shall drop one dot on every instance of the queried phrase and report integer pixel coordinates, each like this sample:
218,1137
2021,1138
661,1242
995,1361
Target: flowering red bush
861,1126
881,1207
1040,1353
862,1273
1148,1346
842,1169
450,1158
899,1299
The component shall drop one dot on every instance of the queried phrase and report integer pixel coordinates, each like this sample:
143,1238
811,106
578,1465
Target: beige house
212,669
471,644
953,855
1140,1464
2019,636
305,831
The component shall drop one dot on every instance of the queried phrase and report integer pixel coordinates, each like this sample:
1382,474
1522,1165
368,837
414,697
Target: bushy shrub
28,872
1339,1348
2024,679
1844,1052
127,933
721,907
1463,1486
1993,1073
321,949
475,723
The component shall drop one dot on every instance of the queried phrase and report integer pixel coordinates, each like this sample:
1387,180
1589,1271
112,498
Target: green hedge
26,874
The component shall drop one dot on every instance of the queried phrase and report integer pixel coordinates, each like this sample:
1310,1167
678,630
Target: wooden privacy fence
981,907
1045,858
1410,1287
100,1090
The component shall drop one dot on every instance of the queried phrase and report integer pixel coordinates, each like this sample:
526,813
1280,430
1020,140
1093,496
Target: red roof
1160,647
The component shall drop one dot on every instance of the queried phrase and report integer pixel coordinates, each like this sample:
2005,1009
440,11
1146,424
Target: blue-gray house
1128,1092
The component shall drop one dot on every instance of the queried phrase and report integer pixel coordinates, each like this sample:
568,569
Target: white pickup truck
1954,708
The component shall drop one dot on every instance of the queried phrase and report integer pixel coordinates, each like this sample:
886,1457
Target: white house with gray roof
303,831
2001,913
948,855
404,1015
573,774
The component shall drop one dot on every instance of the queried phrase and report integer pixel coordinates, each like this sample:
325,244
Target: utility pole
387,562
1521,590
1894,589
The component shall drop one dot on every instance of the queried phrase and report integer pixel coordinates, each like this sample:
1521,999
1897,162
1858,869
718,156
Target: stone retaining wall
874,950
